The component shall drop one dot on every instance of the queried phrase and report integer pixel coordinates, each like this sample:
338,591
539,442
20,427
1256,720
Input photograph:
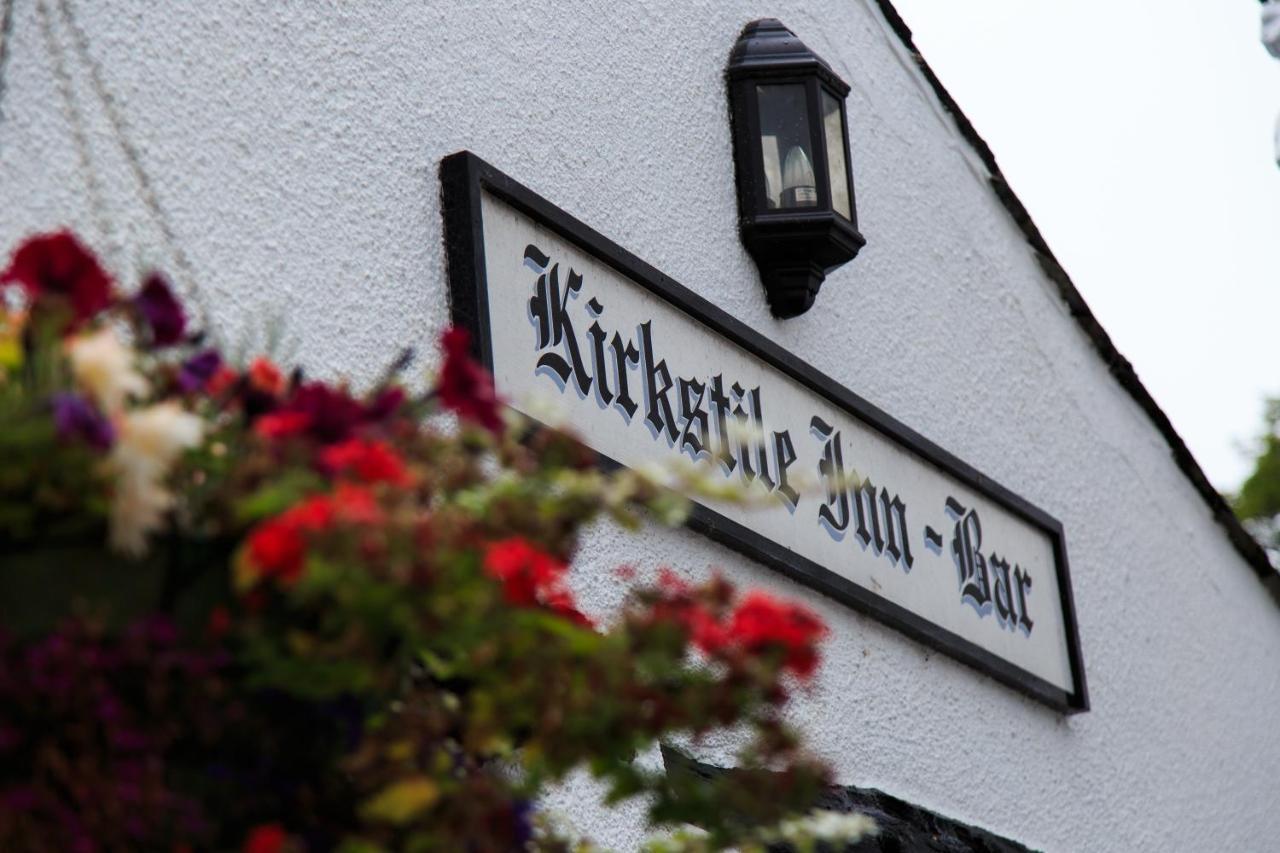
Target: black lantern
795,188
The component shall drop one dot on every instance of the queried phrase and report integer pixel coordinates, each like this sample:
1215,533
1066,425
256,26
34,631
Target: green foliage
1259,496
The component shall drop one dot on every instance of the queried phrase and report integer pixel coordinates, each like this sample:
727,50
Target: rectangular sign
858,505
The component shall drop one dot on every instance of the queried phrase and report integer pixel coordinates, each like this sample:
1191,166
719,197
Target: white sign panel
858,505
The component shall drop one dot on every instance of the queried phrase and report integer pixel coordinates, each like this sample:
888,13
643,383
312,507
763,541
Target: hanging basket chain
75,115
6,38
75,118
123,136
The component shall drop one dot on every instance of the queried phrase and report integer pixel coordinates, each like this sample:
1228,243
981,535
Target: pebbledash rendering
762,240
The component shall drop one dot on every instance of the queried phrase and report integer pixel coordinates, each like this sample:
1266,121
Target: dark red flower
761,622
386,404
161,310
323,414
58,266
267,838
367,461
465,387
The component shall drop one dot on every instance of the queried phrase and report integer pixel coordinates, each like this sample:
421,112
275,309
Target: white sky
1139,136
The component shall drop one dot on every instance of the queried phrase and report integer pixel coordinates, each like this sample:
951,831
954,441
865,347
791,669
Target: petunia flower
464,386
157,305
57,266
103,366
76,419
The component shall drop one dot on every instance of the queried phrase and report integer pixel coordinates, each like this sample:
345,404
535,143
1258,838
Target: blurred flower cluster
243,609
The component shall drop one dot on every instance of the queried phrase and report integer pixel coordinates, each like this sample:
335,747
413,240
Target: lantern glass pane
837,167
786,147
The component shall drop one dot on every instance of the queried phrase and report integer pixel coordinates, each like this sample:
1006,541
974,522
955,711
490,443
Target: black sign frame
464,177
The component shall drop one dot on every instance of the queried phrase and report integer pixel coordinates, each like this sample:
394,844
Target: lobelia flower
150,442
103,366
161,310
58,266
464,386
76,419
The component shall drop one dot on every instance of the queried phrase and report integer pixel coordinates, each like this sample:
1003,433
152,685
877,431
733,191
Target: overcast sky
1139,136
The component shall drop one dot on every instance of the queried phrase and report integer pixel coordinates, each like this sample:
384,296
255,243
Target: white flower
150,441
826,826
137,508
103,365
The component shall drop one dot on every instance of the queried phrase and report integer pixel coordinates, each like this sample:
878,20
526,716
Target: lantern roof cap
767,48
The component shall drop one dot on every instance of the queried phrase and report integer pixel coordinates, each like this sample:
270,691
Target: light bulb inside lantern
799,185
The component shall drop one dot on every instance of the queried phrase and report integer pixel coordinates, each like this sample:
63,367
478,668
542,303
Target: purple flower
162,311
198,369
76,419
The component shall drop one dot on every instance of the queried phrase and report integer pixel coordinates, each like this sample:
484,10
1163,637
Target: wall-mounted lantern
795,186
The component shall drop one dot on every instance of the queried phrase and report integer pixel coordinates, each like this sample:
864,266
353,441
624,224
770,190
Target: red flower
761,622
282,424
222,379
58,265
530,578
523,569
277,549
266,838
465,387
680,603
264,376
355,505
368,461
278,546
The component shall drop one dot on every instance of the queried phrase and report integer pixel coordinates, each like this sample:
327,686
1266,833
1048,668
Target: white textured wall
295,145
